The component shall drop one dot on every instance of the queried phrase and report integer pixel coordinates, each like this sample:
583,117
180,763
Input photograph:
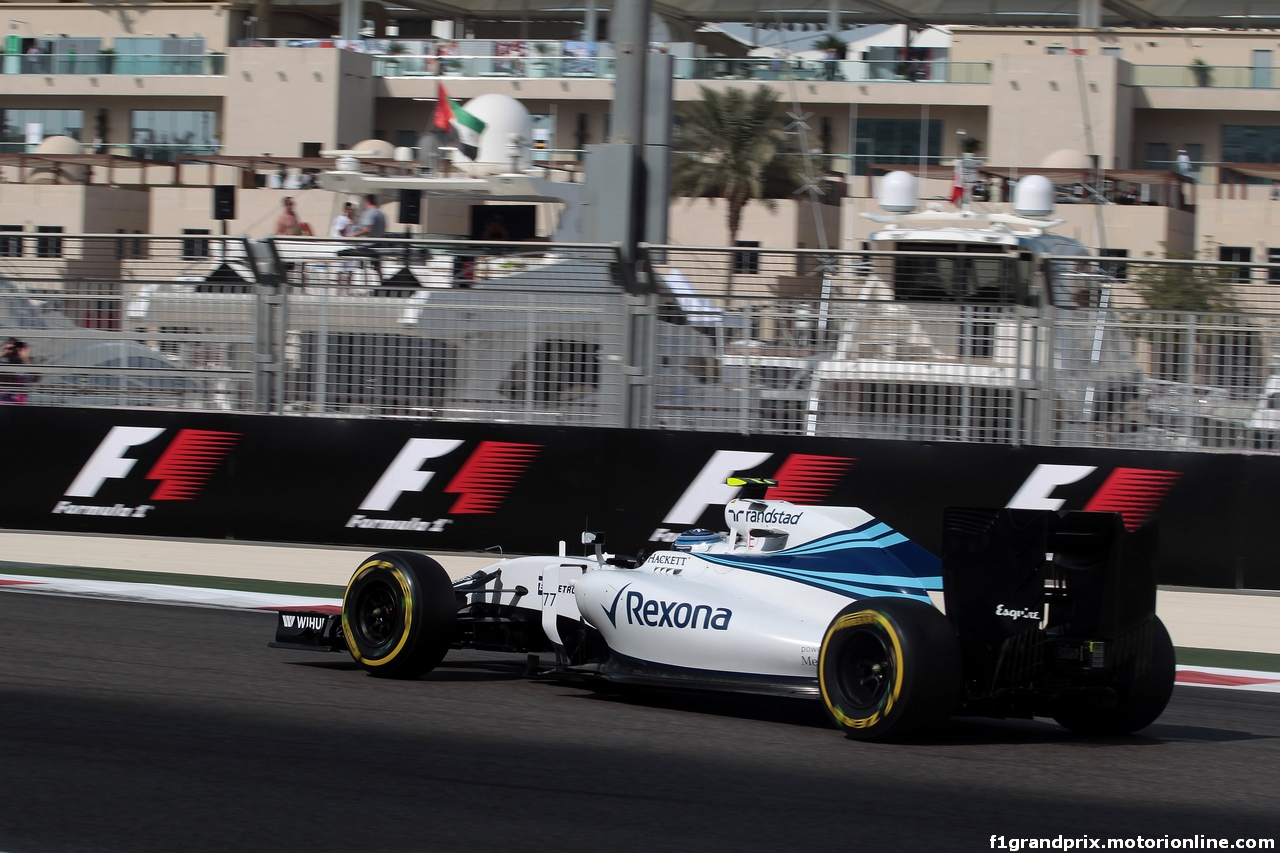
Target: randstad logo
655,613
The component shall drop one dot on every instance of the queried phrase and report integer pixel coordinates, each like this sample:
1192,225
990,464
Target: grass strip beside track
1260,661
319,590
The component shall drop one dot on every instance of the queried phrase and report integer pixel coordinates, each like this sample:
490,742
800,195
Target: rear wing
1031,591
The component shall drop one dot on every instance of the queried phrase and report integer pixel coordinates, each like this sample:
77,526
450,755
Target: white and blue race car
1045,615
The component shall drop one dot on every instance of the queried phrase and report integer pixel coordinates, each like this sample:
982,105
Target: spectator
287,222
373,222
831,57
1184,162
344,223
1275,190
13,384
33,59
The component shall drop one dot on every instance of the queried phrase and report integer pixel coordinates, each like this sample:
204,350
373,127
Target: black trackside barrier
444,486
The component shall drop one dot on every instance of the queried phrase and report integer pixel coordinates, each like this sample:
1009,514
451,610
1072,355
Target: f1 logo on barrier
802,478
482,483
182,470
1135,493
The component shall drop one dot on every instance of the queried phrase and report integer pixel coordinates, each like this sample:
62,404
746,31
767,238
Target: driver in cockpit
697,541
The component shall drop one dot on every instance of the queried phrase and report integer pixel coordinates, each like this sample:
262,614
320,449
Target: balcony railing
134,64
1205,77
719,68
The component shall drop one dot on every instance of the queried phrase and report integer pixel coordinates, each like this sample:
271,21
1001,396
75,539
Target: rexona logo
183,469
655,613
481,484
803,478
302,623
1135,493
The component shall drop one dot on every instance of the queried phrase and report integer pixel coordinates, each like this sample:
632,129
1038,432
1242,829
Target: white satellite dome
1034,196
898,192
506,124
379,148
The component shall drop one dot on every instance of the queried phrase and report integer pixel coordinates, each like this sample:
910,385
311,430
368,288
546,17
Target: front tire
889,669
1138,702
398,614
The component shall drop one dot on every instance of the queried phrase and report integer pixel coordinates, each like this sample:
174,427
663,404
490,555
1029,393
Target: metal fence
1007,349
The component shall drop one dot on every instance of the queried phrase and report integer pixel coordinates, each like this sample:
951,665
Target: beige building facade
166,82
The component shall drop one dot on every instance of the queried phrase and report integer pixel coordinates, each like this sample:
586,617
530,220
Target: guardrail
685,68
134,64
1205,76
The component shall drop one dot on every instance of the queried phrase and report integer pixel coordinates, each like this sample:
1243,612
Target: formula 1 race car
1045,615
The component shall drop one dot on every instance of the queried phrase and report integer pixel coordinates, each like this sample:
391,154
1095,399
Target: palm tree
728,142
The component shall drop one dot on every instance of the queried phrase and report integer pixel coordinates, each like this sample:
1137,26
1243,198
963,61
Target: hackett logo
181,472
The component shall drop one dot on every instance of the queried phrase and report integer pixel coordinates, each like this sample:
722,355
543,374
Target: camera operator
13,383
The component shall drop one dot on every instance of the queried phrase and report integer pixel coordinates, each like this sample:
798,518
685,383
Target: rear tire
1138,703
889,669
398,614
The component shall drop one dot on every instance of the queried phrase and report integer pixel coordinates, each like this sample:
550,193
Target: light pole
962,166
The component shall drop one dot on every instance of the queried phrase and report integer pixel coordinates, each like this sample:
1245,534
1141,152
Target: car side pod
889,669
1055,616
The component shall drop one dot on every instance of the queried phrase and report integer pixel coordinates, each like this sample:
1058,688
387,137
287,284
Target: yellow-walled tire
889,669
398,614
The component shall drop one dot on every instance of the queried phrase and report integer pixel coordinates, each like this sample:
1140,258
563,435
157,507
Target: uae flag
466,127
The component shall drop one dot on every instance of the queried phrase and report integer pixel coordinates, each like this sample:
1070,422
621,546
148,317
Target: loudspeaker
410,207
224,202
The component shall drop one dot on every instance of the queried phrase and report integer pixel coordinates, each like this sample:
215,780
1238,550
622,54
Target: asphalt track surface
135,727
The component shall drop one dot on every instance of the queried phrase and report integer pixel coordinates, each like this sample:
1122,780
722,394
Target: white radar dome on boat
898,192
1033,196
504,137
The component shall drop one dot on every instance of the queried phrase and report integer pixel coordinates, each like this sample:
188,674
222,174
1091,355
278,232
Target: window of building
897,140
195,249
128,247
1237,254
1250,144
1120,272
48,247
10,247
13,126
746,263
1273,274
1159,155
1056,50
159,56
166,135
1117,52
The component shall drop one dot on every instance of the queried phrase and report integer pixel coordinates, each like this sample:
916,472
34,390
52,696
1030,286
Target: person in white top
343,224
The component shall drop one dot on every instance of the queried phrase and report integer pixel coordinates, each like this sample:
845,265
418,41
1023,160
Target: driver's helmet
698,539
